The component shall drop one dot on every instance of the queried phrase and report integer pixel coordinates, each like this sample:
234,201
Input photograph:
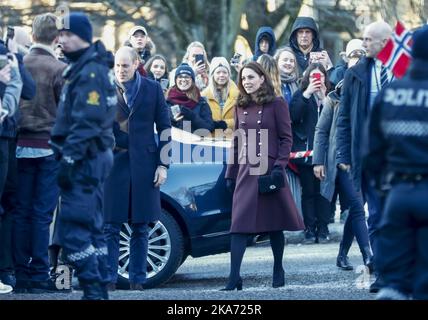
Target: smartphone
164,84
175,109
3,61
10,34
316,76
199,57
315,56
3,114
235,59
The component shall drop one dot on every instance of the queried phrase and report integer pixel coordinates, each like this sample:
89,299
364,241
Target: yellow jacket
229,107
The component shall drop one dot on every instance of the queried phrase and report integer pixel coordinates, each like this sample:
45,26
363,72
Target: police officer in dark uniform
398,158
83,139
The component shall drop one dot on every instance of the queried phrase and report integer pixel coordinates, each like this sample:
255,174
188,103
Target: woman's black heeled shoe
278,279
231,287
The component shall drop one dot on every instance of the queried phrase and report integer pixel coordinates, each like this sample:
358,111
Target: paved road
310,274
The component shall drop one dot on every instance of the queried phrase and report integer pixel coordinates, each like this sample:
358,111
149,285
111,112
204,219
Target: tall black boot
368,258
342,258
92,291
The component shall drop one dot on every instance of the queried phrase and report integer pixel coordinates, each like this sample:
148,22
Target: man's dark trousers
81,219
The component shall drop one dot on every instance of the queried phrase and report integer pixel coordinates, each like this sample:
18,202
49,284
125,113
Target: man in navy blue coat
361,85
140,167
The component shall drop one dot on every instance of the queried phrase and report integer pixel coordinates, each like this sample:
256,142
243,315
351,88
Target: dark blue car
196,209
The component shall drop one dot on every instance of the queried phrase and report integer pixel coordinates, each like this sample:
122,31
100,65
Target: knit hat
79,24
420,43
354,44
184,68
135,29
217,62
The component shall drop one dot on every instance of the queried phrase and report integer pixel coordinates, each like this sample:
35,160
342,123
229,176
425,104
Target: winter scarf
179,97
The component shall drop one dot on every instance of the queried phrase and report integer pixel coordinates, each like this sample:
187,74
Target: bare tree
173,24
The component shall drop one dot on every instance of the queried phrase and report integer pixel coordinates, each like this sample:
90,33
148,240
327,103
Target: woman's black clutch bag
270,183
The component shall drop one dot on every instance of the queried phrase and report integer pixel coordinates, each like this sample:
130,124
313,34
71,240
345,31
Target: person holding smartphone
196,58
305,109
194,111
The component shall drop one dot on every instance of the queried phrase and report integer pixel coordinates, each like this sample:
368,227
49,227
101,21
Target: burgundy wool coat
253,212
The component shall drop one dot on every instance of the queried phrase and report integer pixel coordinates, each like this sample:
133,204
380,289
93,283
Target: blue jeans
37,198
355,223
138,251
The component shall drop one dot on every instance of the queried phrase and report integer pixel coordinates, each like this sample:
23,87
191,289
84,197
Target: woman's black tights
238,245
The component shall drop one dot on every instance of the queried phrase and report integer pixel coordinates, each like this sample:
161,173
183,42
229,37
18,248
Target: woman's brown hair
271,67
264,94
192,93
149,63
313,66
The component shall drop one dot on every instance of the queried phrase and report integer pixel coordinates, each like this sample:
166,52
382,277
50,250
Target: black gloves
277,175
187,113
220,125
230,185
65,173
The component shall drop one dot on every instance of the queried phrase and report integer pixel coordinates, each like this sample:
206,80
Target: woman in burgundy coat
261,146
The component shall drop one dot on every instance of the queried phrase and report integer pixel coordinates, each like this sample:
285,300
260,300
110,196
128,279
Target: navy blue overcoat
130,194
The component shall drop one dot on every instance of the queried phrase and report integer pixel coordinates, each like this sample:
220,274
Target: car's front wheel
165,251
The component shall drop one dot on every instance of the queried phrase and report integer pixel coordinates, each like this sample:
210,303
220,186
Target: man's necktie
383,77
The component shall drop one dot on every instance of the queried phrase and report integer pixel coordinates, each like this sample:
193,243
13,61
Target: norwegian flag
396,53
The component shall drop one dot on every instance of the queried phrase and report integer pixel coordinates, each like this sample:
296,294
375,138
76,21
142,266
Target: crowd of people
74,130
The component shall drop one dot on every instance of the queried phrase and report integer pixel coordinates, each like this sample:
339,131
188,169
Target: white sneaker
4,288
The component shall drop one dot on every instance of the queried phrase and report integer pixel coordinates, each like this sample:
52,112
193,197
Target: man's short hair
130,51
45,28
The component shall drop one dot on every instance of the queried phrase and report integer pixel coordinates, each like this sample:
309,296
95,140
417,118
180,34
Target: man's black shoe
93,291
309,237
323,238
22,286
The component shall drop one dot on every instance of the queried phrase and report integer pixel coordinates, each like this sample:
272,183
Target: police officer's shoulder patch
93,98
